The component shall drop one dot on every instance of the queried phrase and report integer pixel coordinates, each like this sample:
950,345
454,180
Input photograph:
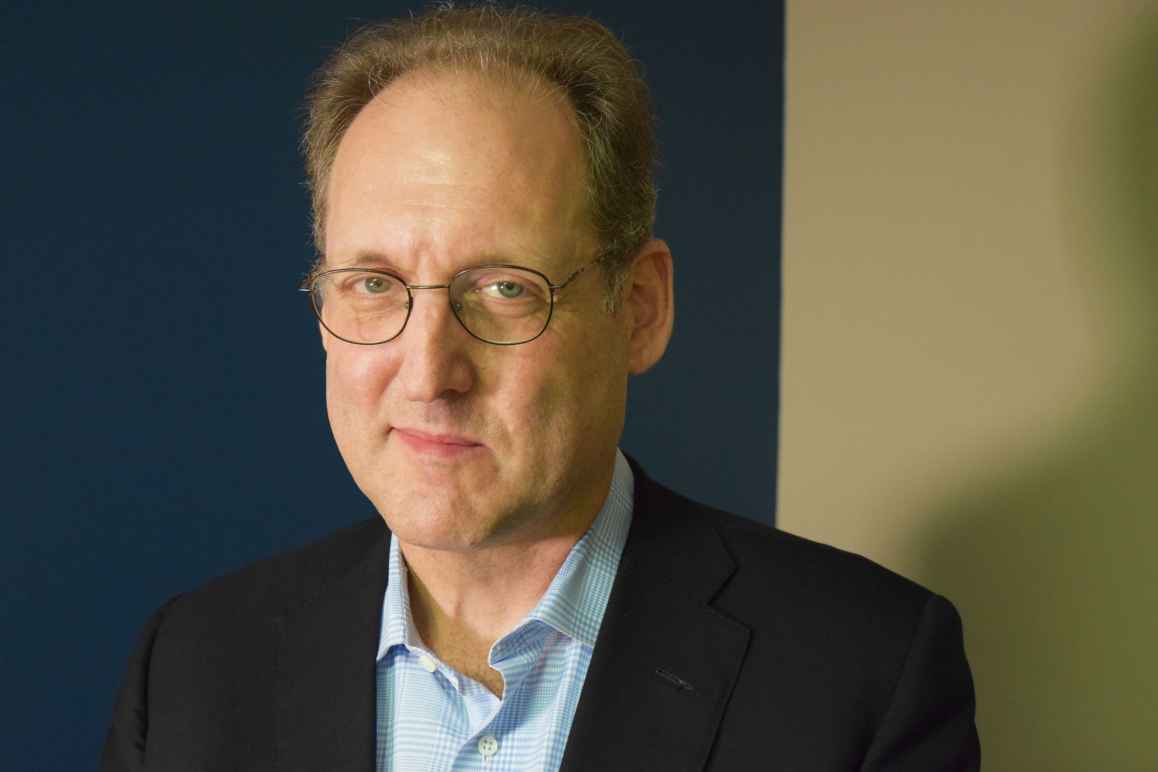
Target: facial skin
463,445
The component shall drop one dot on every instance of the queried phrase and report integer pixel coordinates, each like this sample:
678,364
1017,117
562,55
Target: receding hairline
513,79
505,83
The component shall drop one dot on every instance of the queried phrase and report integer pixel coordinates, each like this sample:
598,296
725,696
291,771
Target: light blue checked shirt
434,719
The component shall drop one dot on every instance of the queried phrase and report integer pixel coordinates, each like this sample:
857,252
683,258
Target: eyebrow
368,260
382,261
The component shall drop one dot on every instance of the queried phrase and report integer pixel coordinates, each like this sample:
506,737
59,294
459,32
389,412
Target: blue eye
507,289
501,289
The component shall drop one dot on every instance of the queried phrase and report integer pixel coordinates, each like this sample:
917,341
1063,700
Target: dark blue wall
163,379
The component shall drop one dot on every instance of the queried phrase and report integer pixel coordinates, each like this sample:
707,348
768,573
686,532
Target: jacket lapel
665,661
325,703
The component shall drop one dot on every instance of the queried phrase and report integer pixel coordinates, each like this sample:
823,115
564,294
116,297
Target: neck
482,594
462,601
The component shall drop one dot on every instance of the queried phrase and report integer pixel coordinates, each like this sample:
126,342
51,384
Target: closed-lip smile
436,443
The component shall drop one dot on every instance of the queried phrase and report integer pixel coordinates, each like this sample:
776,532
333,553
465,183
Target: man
528,599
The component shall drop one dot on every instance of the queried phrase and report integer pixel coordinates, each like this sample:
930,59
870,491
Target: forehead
454,165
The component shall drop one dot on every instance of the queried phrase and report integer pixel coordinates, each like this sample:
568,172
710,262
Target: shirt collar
577,596
397,622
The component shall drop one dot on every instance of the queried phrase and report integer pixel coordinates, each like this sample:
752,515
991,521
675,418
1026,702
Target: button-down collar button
488,746
428,664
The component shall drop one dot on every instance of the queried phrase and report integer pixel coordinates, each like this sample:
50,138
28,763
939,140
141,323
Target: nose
435,350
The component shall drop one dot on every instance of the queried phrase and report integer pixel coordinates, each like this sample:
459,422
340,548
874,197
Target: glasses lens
502,305
361,306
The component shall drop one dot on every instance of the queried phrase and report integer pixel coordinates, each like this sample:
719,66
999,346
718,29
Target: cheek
356,378
569,401
525,398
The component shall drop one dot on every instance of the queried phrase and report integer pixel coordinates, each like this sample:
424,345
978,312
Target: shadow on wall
1054,563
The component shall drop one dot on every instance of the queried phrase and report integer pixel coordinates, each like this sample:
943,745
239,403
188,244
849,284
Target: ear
649,300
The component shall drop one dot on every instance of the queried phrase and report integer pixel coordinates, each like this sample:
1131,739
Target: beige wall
970,353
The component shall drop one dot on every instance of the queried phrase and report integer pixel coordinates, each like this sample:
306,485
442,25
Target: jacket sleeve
124,749
929,724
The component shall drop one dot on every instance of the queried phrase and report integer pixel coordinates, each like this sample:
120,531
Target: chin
435,520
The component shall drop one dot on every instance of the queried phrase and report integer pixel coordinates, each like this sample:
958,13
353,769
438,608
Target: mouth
437,445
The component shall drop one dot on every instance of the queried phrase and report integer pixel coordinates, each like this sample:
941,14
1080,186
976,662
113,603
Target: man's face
457,442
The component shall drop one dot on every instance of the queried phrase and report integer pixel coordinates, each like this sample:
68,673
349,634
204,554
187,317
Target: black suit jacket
726,645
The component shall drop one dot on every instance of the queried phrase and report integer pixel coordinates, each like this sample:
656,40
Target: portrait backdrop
164,385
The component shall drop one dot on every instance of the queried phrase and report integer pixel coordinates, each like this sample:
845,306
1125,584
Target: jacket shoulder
787,583
813,570
213,652
289,578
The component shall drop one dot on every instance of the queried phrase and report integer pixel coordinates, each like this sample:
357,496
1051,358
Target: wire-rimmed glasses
500,304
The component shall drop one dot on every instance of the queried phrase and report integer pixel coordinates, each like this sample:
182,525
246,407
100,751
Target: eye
499,287
505,289
375,285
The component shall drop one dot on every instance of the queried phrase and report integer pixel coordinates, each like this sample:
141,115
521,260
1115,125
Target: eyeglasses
500,304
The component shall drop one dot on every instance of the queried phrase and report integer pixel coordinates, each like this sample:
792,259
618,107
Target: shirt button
488,746
428,664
